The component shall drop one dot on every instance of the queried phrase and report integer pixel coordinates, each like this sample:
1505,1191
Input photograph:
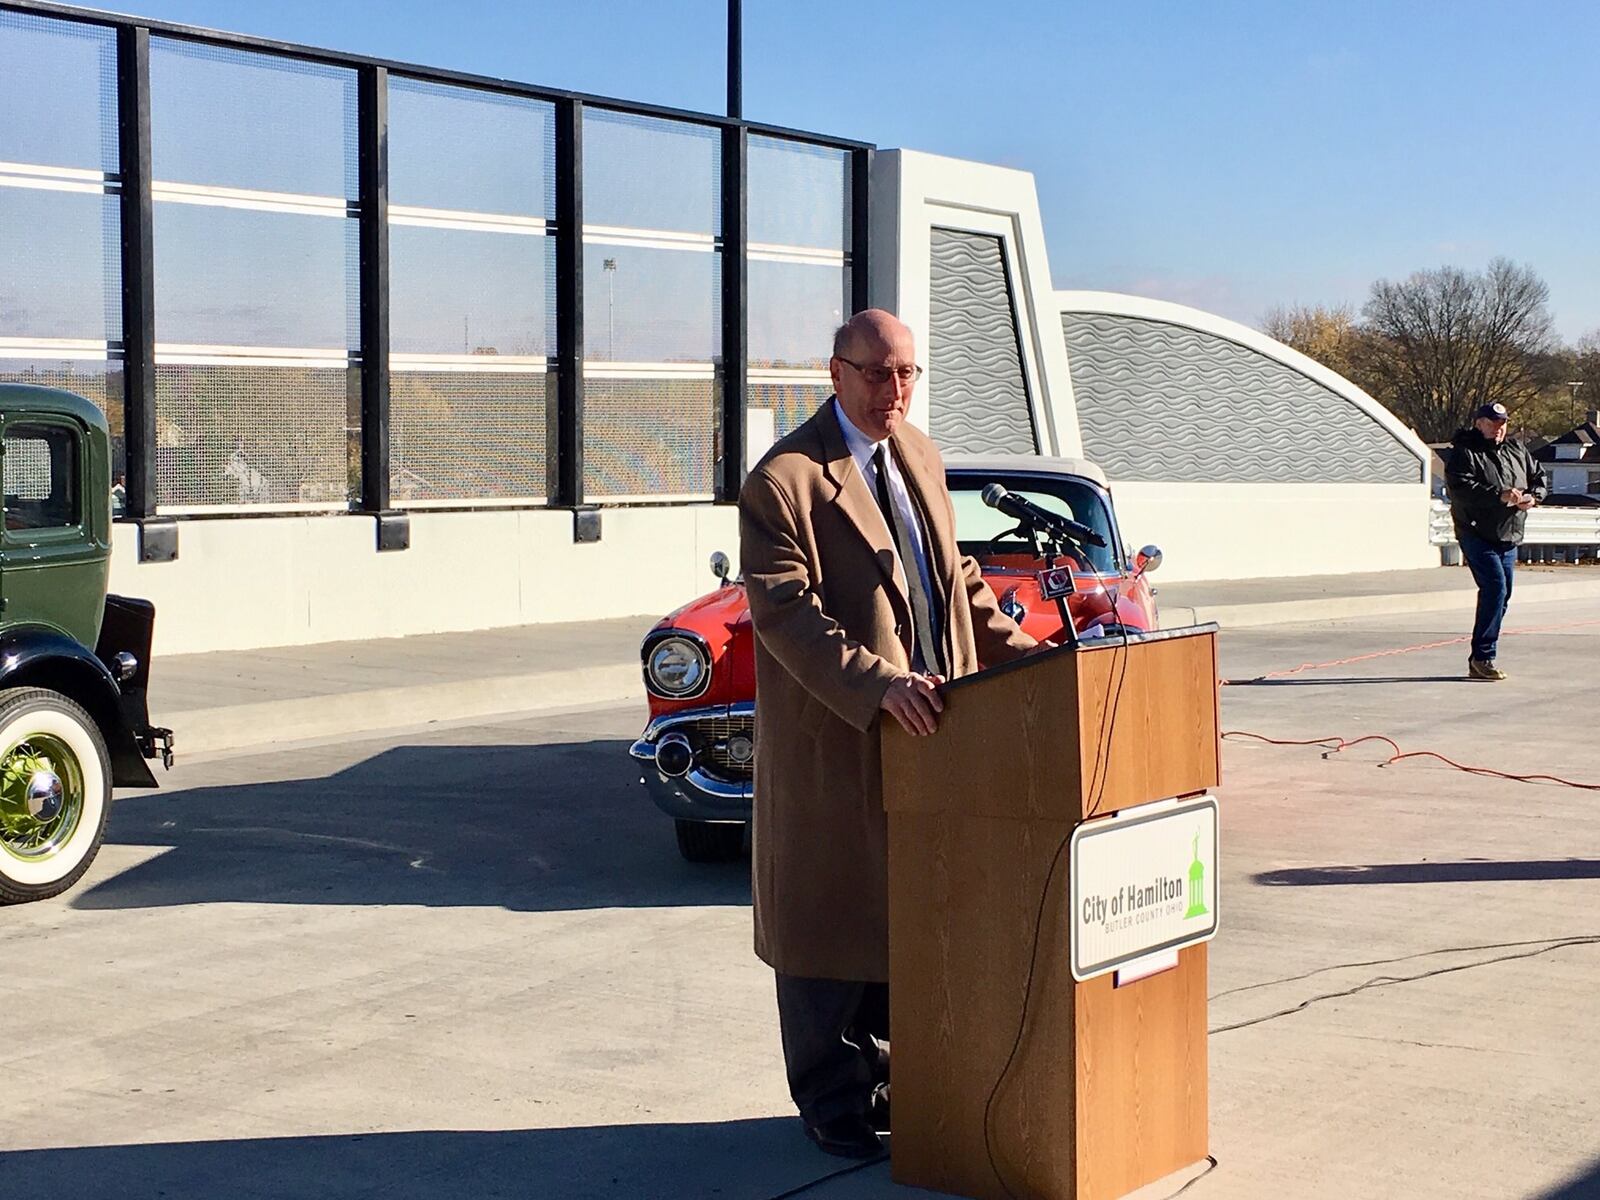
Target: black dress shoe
878,1108
848,1136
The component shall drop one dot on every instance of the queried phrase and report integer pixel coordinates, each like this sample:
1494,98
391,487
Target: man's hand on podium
1041,647
913,700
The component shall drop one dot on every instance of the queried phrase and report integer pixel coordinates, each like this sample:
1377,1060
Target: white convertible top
1005,463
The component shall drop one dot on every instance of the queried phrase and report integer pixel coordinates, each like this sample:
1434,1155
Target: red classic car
698,750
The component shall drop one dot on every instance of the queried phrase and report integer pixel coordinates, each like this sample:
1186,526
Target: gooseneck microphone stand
1049,548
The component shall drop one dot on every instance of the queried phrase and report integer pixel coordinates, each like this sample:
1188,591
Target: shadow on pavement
730,1160
1470,871
1348,682
524,827
1580,1187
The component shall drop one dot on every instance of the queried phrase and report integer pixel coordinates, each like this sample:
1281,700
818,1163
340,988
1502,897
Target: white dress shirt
862,449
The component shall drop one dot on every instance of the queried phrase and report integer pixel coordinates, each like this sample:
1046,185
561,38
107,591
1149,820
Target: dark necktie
925,610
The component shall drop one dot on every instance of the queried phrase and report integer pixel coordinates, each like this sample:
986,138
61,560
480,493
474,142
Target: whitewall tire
55,791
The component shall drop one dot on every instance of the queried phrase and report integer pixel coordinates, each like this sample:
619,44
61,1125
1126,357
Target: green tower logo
1197,884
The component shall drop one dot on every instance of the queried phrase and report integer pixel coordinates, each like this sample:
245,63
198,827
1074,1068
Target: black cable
1389,980
1107,731
1022,1022
831,1175
1581,939
1210,1158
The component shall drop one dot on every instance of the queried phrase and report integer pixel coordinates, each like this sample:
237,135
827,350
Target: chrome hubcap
42,797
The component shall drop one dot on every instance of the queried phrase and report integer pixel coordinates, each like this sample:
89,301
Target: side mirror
1147,560
720,567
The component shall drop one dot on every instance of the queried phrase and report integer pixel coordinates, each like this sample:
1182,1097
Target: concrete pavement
237,699
470,963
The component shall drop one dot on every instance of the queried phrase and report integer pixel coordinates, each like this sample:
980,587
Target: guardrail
1577,530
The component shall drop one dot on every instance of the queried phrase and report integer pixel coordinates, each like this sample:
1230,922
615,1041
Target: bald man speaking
863,605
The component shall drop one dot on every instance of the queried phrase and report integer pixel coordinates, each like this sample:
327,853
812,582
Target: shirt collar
861,446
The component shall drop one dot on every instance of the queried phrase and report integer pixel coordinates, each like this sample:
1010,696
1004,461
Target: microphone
996,496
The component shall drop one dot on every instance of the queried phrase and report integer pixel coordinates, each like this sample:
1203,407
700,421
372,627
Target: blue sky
1225,154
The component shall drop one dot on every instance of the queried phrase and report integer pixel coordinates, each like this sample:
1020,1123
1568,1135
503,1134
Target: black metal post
735,325
568,473
138,270
860,234
373,183
735,59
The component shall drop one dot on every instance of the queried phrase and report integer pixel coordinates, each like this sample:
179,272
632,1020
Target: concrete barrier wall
1254,530
285,581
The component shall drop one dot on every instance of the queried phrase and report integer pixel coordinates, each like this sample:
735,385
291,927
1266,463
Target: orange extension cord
1334,744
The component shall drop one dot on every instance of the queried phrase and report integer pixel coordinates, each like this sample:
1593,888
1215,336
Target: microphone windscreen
993,493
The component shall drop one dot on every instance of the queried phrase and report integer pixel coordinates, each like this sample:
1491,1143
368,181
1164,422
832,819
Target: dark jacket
1477,472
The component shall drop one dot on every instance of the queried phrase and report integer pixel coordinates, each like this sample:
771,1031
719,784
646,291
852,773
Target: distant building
1573,459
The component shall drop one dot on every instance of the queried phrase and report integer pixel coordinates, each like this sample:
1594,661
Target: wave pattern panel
1165,403
977,392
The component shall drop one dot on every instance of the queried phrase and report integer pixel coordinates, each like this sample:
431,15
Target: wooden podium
1107,1089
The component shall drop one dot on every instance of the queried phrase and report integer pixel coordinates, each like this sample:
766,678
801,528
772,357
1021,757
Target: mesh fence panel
649,173
231,118
476,279
97,381
791,404
61,276
254,435
242,277
799,195
792,311
58,93
458,435
472,151
456,291
649,305
30,463
649,438
60,246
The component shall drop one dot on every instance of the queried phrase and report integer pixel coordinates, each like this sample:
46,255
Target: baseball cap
1491,412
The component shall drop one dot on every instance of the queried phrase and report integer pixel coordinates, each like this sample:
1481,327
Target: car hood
716,613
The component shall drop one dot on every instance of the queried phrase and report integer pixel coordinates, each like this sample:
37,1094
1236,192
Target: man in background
1493,482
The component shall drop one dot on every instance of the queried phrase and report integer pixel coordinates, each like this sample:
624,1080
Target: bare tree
1321,333
1332,337
1445,341
1586,372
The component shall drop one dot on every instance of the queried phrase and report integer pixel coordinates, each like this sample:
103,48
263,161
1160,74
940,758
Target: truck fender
46,658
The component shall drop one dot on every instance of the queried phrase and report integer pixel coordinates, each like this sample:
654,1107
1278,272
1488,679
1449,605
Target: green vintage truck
74,662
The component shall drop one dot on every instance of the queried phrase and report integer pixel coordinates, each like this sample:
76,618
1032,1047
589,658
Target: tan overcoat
833,629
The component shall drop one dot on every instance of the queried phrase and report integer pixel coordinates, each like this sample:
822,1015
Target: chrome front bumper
701,793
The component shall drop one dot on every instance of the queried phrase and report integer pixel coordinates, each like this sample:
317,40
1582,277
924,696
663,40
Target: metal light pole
1575,384
735,59
610,268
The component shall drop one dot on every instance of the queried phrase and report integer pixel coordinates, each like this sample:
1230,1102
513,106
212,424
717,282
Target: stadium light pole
610,268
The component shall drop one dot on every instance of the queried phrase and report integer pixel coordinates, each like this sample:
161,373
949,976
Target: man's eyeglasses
878,376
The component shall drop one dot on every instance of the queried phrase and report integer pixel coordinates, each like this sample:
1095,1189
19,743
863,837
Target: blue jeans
1491,568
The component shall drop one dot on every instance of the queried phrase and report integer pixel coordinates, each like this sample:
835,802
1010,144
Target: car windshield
988,534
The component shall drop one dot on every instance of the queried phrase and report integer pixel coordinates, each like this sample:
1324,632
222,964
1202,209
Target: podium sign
1142,882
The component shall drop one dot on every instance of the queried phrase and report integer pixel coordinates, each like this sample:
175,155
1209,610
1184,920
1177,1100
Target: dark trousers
1492,564
835,1043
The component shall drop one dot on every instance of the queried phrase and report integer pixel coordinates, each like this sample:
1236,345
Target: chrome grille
711,743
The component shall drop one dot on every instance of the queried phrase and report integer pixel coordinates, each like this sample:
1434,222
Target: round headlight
676,667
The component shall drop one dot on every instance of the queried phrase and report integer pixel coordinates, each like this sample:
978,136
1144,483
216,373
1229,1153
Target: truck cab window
41,477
